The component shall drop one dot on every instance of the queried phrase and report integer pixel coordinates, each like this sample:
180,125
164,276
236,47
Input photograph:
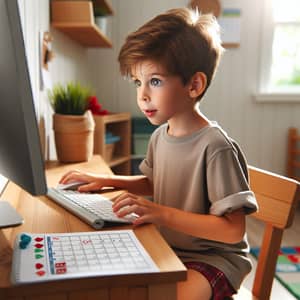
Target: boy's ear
197,84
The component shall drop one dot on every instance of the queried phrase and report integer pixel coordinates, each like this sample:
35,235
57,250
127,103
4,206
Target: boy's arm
229,228
138,184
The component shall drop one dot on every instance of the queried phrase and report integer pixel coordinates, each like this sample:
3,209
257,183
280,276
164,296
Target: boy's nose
143,96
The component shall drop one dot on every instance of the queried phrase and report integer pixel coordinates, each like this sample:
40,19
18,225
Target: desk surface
43,215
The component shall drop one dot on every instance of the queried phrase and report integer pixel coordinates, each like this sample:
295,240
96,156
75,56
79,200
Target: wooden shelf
88,35
119,125
76,19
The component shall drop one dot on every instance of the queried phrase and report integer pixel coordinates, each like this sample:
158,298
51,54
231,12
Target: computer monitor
21,158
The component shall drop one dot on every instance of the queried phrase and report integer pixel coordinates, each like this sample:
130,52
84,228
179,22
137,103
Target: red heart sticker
40,273
38,239
39,266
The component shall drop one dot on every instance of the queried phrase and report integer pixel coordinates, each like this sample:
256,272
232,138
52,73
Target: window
280,61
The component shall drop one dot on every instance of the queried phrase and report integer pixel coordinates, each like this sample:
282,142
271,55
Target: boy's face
160,96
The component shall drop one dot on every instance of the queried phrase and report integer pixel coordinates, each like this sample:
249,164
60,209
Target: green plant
99,11
72,99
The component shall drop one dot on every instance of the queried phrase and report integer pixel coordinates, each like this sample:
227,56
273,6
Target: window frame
265,63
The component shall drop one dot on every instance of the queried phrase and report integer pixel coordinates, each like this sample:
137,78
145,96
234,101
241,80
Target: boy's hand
147,211
93,182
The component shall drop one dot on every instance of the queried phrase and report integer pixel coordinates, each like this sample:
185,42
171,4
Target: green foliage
99,12
293,80
71,99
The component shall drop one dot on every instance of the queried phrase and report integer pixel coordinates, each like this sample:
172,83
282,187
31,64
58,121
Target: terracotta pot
74,137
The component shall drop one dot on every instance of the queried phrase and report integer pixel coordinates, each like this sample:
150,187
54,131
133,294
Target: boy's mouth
150,112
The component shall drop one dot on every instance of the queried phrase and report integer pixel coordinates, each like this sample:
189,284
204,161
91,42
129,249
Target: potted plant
73,123
100,15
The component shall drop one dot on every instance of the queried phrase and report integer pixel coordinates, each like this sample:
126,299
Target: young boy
195,173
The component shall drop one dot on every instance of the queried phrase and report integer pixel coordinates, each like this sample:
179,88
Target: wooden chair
293,154
277,197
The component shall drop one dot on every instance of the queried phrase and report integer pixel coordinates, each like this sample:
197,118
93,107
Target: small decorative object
207,6
47,53
110,141
101,18
101,22
73,122
96,107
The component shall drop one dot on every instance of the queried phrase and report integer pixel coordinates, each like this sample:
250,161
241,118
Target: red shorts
221,288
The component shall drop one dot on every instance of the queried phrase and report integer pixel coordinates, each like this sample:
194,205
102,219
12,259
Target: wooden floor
291,237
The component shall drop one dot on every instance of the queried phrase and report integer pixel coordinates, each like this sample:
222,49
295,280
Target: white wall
260,128
31,27
70,62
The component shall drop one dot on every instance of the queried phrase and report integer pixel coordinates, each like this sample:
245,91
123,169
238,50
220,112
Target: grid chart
62,256
94,252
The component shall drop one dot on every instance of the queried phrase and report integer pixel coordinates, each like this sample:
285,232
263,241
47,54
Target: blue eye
155,82
136,83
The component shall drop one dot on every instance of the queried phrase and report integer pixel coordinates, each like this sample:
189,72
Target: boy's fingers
141,220
128,210
121,203
89,187
122,197
63,178
69,176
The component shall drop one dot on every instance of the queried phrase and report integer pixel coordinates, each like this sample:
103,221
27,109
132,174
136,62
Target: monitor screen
20,151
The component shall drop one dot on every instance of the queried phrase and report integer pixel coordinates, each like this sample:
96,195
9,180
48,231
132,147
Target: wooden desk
43,215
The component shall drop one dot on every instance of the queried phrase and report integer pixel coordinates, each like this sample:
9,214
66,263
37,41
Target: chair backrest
293,154
277,197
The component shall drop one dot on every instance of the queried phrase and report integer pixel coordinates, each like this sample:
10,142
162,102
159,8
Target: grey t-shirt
203,173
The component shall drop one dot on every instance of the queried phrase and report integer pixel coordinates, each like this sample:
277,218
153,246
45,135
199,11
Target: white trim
277,98
288,23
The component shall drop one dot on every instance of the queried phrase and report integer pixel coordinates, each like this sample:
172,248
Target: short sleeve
146,166
227,182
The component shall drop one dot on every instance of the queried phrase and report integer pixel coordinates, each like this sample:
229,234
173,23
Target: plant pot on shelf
101,22
74,137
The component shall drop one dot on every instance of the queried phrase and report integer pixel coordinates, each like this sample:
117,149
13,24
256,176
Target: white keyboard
94,209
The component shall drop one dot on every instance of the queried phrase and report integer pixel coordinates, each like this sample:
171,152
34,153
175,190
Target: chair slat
277,197
270,184
279,217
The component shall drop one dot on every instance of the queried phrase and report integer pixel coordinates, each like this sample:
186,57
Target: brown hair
182,40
